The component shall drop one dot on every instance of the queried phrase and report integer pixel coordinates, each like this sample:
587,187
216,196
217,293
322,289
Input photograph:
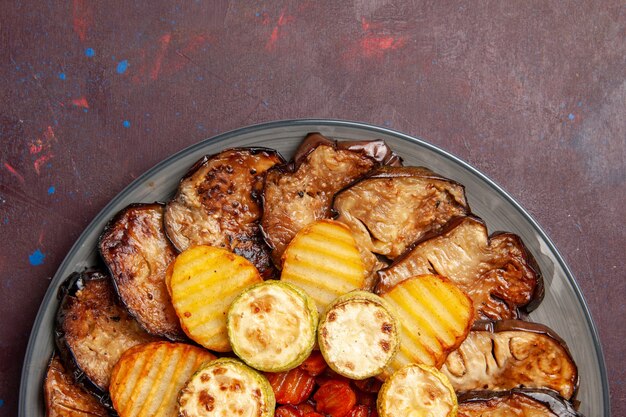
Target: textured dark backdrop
93,93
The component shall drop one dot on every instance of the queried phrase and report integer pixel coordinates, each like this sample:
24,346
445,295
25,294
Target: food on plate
226,387
272,326
417,390
393,207
435,317
65,398
300,192
93,330
358,335
509,354
516,402
217,204
497,272
204,281
324,261
137,252
293,386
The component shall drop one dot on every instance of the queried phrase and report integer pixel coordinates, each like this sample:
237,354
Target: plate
563,308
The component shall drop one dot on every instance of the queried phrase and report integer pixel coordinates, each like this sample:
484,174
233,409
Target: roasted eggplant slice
511,354
498,272
65,398
216,204
301,192
516,402
137,252
93,329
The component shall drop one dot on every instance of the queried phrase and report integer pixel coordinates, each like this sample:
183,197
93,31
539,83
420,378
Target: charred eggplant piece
65,398
516,402
216,204
497,272
93,330
301,192
509,354
137,253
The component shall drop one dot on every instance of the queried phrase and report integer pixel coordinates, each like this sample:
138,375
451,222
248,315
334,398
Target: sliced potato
324,260
227,387
435,317
204,281
147,378
358,335
417,390
272,326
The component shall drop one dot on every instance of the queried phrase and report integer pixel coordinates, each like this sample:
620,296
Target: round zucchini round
272,325
417,390
358,335
226,386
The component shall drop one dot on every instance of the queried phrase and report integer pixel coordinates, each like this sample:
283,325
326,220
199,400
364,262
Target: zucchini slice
272,325
204,281
226,387
358,335
147,378
417,390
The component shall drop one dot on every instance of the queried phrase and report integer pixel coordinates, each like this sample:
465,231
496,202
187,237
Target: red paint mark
376,45
81,102
14,172
40,240
82,18
282,20
42,160
164,42
42,146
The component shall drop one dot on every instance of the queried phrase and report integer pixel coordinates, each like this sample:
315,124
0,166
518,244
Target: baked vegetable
147,379
217,204
358,335
393,207
503,355
204,282
417,390
137,252
435,317
291,387
272,326
516,402
301,192
497,272
93,330
65,398
324,261
226,387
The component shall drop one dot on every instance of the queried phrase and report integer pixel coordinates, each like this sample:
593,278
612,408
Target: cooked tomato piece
359,411
369,385
313,414
287,411
335,398
314,364
291,387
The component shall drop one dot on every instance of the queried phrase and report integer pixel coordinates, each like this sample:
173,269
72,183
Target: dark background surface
94,93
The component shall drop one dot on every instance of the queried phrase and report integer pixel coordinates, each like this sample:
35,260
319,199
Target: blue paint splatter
89,52
62,76
1,403
257,14
122,66
126,123
6,220
580,103
571,116
36,258
265,103
51,190
85,110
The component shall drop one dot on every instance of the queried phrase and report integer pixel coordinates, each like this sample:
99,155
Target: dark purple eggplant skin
548,398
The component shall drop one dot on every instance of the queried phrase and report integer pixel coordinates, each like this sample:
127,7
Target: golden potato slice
435,317
147,379
324,260
204,281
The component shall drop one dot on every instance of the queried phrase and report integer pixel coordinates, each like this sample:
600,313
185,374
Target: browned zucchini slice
516,402
301,192
65,398
498,272
137,252
93,329
510,354
216,204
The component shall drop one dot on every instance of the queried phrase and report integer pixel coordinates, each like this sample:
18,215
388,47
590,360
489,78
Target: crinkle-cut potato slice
323,260
435,317
272,326
204,281
417,390
147,379
226,387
